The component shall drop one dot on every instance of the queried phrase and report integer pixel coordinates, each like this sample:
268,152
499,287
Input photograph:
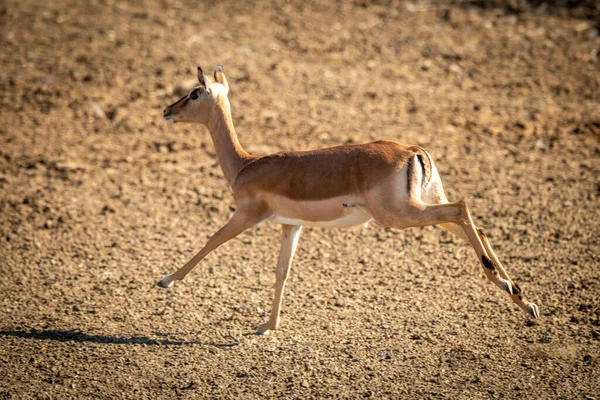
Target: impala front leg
289,240
239,222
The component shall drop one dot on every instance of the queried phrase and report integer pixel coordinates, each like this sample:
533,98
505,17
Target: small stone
540,144
97,109
191,386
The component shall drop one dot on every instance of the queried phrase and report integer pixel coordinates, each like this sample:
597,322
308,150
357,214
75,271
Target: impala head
198,104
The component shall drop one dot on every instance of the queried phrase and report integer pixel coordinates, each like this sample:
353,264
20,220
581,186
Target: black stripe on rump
410,175
420,158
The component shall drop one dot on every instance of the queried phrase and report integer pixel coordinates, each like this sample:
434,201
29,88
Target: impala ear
202,78
220,77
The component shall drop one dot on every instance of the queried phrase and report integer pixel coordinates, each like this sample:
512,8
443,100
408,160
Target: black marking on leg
520,297
516,289
487,262
480,231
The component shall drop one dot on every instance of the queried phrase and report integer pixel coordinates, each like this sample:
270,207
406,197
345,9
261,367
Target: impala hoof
166,282
261,330
264,329
533,310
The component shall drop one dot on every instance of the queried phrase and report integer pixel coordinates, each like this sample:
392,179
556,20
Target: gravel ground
99,198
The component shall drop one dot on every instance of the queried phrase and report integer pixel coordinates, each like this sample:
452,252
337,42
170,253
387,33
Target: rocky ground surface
99,198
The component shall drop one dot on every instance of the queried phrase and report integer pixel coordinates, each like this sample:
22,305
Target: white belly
355,216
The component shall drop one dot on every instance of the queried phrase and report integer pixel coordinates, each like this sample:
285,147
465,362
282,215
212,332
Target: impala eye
194,94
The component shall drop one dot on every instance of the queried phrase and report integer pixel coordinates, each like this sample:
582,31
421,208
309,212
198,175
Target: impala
394,184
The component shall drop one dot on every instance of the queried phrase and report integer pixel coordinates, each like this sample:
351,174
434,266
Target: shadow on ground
81,337
583,9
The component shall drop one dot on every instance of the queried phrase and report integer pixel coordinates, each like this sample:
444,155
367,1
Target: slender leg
517,293
465,222
456,218
289,240
239,222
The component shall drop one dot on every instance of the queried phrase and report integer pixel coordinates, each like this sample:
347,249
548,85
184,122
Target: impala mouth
170,119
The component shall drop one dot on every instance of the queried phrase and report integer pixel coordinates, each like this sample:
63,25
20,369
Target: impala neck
232,157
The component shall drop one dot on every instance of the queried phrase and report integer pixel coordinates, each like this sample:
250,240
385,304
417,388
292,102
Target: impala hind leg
517,293
457,219
239,222
289,241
